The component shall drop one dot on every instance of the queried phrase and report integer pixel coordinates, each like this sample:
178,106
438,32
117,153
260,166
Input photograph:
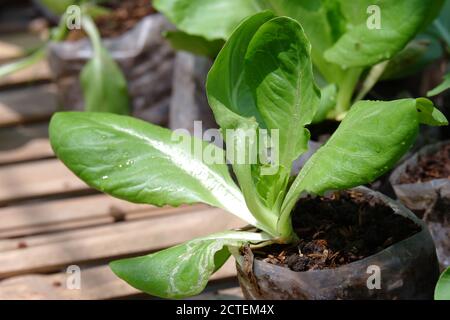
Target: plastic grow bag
408,270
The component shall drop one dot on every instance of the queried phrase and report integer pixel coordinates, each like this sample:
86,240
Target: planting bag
424,197
408,270
144,56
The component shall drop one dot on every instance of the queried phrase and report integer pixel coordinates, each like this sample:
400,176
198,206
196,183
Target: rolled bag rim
421,196
337,283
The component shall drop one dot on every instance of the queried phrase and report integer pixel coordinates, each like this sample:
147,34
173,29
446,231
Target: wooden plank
66,214
25,105
122,239
9,51
105,229
38,72
19,144
37,179
96,283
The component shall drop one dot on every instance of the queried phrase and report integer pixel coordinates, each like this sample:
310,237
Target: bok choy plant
347,37
103,84
261,80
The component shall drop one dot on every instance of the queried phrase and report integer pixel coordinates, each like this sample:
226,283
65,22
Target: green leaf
143,163
103,83
279,72
234,107
195,44
430,115
370,140
211,19
184,270
323,24
445,85
442,291
362,46
57,7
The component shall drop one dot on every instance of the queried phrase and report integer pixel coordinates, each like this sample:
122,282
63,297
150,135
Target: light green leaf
211,19
103,83
361,46
184,270
195,44
442,291
279,72
143,163
370,140
445,85
429,114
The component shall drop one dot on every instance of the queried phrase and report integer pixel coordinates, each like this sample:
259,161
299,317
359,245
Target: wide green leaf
211,19
399,22
442,291
278,70
234,107
184,270
103,83
143,163
371,139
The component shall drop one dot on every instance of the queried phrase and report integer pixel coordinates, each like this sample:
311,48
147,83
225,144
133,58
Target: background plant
262,78
103,83
343,46
442,291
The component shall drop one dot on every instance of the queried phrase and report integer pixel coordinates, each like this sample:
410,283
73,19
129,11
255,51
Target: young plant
262,79
347,37
103,84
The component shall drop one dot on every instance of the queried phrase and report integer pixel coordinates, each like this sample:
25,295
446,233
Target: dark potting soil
429,167
124,16
338,230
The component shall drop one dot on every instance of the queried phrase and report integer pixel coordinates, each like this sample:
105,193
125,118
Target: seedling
103,83
262,79
347,37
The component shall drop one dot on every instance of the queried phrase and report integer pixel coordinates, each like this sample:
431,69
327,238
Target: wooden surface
50,220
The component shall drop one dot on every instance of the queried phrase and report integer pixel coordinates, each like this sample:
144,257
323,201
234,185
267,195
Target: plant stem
372,78
23,63
346,90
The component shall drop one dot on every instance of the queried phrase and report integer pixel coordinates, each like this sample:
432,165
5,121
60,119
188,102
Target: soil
338,230
124,16
429,167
